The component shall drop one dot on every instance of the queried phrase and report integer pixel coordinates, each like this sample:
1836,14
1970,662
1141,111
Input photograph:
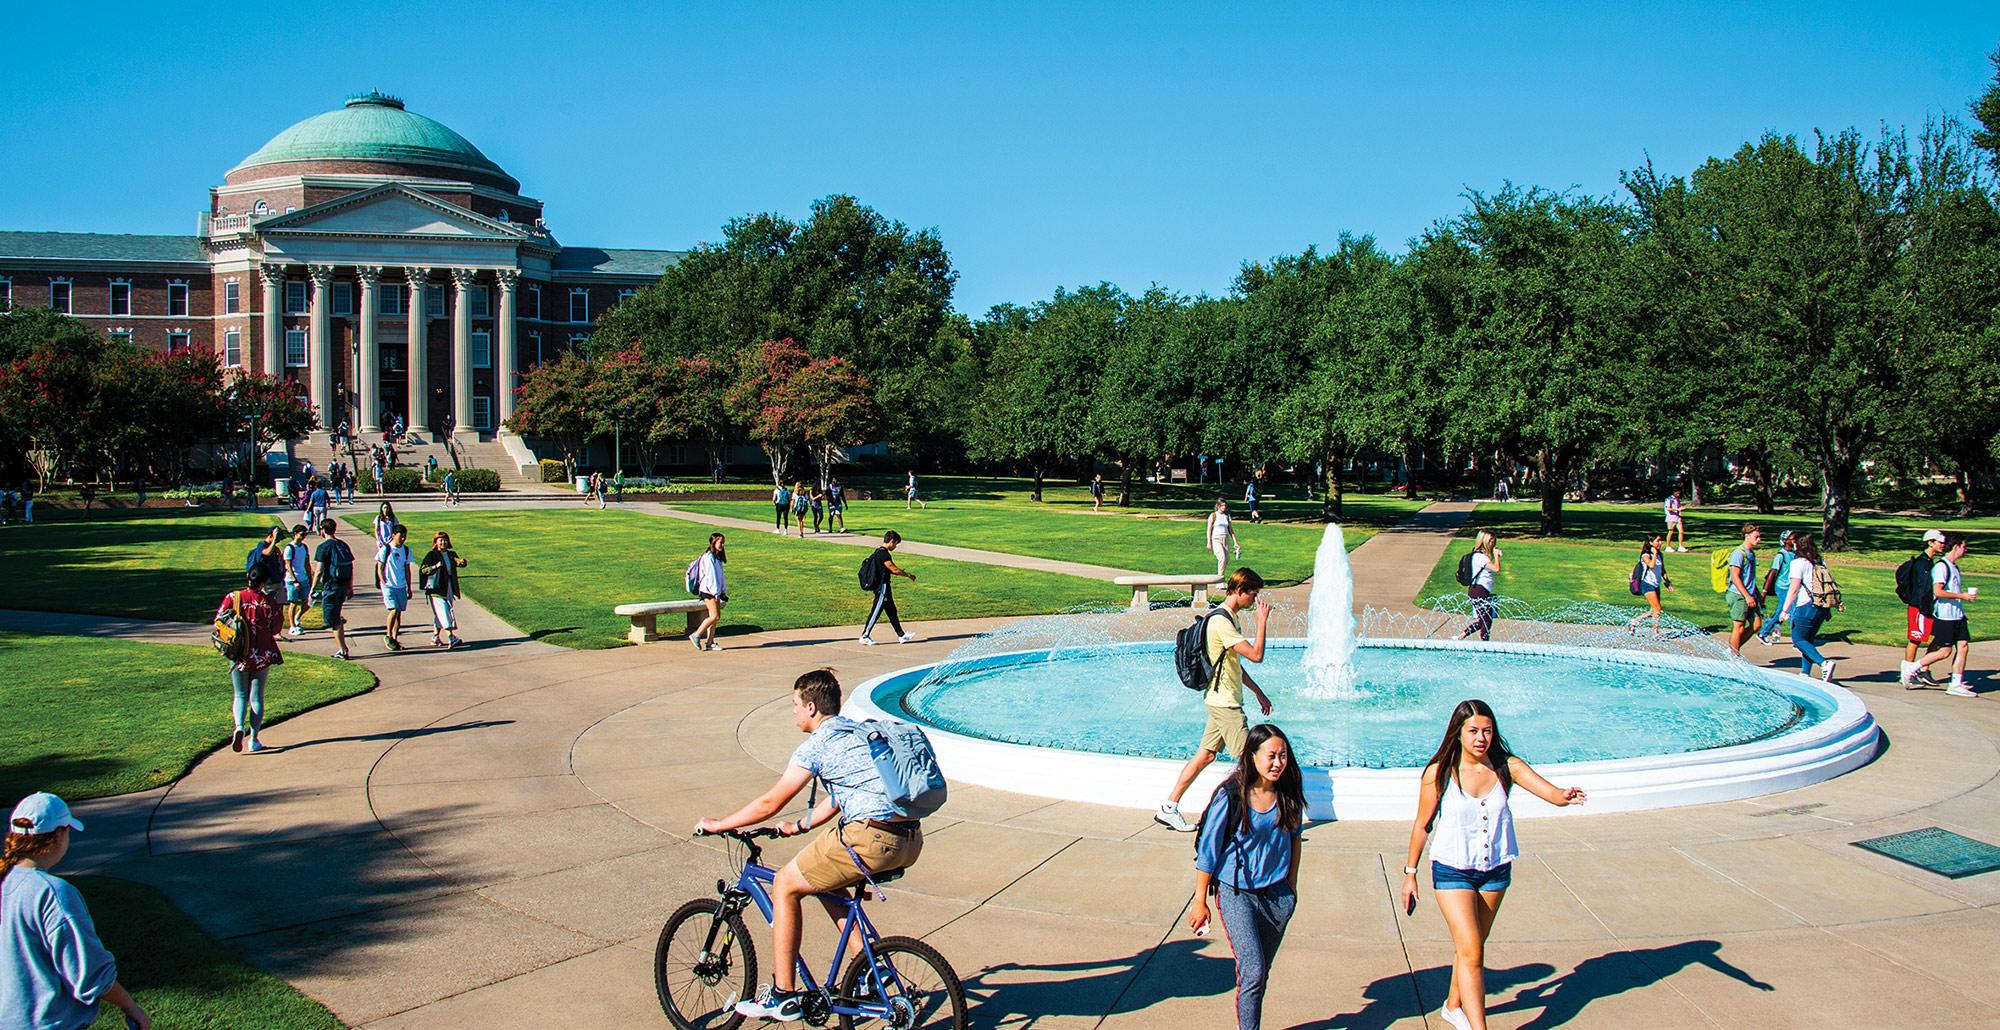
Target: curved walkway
494,835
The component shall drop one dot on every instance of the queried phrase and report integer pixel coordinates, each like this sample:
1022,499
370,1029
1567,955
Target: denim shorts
1452,878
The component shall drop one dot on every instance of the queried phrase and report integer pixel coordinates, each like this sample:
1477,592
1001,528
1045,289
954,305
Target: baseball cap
1933,536
1784,536
41,813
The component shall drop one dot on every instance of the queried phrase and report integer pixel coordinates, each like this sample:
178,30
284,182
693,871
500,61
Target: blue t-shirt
317,498
842,762
1260,858
1747,561
55,968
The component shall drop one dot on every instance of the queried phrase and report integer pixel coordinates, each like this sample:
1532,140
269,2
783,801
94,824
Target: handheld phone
1411,908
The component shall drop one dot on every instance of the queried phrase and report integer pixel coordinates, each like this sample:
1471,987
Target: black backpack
1191,653
1913,583
870,574
1465,569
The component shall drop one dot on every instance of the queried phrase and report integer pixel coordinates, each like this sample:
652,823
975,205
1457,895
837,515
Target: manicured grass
1281,501
86,717
1539,571
556,575
151,565
180,975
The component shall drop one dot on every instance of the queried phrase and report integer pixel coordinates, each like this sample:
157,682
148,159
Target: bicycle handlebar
746,836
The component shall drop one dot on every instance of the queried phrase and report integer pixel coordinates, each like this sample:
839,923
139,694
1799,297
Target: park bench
645,617
1199,585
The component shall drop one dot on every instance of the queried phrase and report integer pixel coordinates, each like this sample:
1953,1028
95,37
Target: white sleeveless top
1473,833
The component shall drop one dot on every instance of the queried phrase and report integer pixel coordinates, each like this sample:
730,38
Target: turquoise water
1551,708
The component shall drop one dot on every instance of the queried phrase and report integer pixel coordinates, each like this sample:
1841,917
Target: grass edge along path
91,717
171,565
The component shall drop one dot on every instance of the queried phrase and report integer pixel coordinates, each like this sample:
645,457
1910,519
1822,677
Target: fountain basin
1109,724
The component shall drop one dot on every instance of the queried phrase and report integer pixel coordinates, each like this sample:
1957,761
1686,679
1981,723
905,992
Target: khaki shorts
1226,732
826,865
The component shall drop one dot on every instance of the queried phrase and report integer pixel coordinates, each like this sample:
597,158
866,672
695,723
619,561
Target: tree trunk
1039,469
1587,490
1965,492
1760,482
1694,479
1409,470
1554,480
1124,484
1329,506
1837,500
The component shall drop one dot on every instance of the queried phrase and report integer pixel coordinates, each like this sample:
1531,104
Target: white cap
1933,536
41,813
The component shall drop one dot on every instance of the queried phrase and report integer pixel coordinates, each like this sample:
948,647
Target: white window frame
480,343
298,296
295,337
180,337
117,333
434,300
342,298
577,293
6,295
232,348
259,209
626,294
482,412
178,296
232,297
536,338
68,295
111,297
482,302
391,301
577,340
535,292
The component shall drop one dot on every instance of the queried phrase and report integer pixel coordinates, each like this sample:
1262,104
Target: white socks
1906,672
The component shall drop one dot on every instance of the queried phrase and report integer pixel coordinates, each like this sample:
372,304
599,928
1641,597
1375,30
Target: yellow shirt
1223,636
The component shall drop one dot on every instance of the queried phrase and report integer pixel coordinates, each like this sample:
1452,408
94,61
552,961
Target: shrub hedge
399,480
477,481
553,471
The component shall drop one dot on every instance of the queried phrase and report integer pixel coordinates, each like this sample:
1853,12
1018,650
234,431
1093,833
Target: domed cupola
372,134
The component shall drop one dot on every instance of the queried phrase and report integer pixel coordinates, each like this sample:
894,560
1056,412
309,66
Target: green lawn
1539,571
184,978
86,717
152,565
556,574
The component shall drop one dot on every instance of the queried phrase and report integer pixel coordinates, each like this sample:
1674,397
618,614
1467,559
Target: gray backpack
903,757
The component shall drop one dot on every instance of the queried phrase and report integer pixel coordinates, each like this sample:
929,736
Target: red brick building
370,254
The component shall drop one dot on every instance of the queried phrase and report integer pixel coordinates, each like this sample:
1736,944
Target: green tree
1042,368
555,404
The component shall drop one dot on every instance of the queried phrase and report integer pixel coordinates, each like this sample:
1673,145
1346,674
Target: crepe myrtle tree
831,407
554,403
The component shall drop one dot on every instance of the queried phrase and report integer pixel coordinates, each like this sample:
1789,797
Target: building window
389,300
232,297
392,360
433,302
120,335
482,412
260,209
625,295
59,296
534,304
179,340
482,303
295,348
343,298
121,297
6,295
482,350
232,348
502,216
295,296
577,340
579,305
535,339
177,299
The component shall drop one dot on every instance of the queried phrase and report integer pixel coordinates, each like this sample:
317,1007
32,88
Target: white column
368,370
503,364
274,319
461,353
319,338
419,418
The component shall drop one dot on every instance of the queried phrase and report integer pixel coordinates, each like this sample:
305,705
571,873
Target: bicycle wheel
930,994
699,991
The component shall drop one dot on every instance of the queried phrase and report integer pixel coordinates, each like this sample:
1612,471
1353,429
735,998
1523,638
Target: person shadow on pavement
1393,999
1613,973
1099,987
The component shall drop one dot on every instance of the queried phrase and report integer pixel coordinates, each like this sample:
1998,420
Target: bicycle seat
893,874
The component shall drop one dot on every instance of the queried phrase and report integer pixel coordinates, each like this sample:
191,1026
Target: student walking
801,503
1648,578
1775,585
1250,499
451,488
1247,855
1221,536
384,526
910,491
1463,811
1950,596
439,574
1226,729
618,486
712,587
269,555
1742,589
1097,492
395,570
1479,587
602,486
257,616
836,506
58,974
1675,523
333,582
1913,588
781,499
818,508
1807,583
375,468
297,556
317,503
877,571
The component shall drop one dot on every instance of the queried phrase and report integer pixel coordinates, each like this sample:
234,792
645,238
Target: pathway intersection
494,835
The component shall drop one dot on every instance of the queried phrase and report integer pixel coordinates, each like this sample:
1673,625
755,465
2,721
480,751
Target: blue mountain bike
705,962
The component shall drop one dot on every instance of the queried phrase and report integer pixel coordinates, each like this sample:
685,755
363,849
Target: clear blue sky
1049,145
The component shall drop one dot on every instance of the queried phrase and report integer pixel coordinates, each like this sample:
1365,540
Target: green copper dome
374,127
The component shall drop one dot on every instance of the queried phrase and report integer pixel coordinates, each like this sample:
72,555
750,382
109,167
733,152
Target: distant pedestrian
269,555
712,587
451,487
836,505
1741,589
1247,855
390,451
1250,499
1648,579
818,508
1226,729
394,566
602,486
297,555
395,435
340,433
1479,591
1913,588
781,499
430,468
1097,491
618,486
877,571
1464,812
1221,536
801,503
259,618
375,467
1774,586
1673,508
910,491
385,524
1805,598
317,503
439,575
1949,598
333,582
57,974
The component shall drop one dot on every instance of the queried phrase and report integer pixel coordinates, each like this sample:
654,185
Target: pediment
390,211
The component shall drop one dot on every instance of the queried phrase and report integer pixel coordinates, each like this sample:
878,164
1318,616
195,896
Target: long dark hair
1804,547
721,553
1290,786
387,511
1449,752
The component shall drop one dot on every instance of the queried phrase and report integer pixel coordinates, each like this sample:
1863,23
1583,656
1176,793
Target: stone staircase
487,453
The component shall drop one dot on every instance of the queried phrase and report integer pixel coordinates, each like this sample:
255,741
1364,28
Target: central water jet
1329,657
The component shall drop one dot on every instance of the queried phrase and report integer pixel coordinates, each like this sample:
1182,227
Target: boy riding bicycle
873,834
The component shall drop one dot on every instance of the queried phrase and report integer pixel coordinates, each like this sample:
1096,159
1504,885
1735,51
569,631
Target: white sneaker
1680,550
1826,672
867,641
253,746
1960,690
774,1006
1455,1017
296,631
907,638
1169,816
1906,675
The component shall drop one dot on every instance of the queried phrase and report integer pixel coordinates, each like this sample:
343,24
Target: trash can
282,486
583,484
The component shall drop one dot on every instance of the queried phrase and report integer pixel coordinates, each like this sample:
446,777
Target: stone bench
645,617
1199,585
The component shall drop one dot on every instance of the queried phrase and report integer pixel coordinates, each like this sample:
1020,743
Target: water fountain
1329,657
